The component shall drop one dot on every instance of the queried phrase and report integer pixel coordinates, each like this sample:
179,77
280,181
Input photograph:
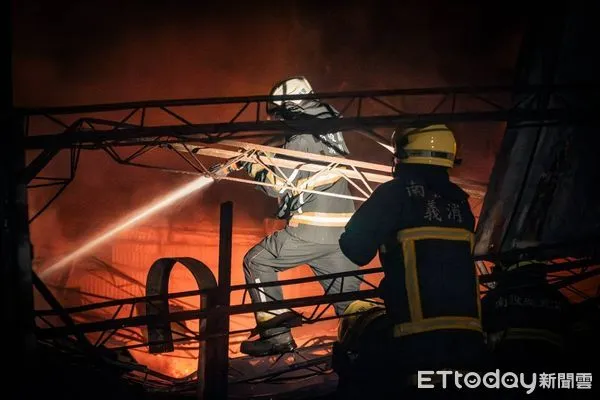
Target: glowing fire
134,250
131,220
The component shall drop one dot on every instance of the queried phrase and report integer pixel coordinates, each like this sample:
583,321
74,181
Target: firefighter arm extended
371,224
280,177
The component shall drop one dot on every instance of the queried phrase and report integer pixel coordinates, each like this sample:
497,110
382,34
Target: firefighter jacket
422,225
523,306
310,216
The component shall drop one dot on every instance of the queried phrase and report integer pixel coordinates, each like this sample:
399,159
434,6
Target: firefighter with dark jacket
314,221
525,318
423,227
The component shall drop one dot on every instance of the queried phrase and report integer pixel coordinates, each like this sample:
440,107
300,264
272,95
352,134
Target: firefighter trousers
281,251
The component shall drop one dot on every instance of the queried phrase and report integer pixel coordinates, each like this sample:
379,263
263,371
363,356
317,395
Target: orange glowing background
69,53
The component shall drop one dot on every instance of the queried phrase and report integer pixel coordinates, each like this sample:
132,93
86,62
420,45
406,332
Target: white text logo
508,380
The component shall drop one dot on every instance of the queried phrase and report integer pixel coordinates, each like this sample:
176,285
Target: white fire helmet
294,85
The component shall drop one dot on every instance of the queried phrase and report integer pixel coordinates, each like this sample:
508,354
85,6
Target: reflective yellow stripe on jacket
418,324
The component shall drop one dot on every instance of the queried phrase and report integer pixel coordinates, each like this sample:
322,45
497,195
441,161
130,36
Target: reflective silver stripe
266,315
322,219
301,201
261,294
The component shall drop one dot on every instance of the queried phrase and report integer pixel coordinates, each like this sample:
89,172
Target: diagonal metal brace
37,165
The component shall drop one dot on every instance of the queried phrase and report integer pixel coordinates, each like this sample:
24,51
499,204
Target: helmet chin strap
398,155
395,165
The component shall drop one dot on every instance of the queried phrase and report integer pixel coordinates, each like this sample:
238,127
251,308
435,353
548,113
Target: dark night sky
83,52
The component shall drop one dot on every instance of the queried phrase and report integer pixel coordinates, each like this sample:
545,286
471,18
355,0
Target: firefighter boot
272,341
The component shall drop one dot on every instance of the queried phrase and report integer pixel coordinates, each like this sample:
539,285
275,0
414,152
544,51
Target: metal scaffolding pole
218,347
15,246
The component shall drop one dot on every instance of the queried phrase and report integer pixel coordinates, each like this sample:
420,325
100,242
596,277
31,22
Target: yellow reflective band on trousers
533,334
407,238
320,219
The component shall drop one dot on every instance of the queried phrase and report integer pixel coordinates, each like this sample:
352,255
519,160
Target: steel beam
217,346
365,94
88,131
213,132
16,290
249,308
37,165
120,323
558,267
171,296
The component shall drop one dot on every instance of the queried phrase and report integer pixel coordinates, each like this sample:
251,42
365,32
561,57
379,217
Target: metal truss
359,174
124,306
178,124
183,127
362,111
121,324
581,269
31,176
120,311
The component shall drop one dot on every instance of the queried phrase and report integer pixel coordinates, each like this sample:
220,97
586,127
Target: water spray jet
137,216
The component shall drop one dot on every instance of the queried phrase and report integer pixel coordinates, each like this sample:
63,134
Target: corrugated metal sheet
543,186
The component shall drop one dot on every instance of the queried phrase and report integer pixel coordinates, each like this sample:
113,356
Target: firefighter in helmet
525,318
362,327
314,221
423,227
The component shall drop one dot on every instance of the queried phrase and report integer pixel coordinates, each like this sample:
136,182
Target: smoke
79,52
75,52
69,52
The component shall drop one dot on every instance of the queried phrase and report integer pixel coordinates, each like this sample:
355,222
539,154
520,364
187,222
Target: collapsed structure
546,161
